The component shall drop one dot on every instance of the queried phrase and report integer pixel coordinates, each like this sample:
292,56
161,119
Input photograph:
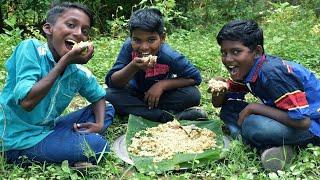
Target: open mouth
232,69
70,43
145,54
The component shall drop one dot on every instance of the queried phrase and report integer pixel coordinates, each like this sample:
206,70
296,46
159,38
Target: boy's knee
255,130
114,94
110,109
109,116
193,96
110,94
96,143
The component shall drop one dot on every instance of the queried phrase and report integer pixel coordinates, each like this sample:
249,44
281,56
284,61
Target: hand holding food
152,60
83,45
217,86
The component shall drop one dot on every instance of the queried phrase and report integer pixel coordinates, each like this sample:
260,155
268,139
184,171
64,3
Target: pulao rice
166,140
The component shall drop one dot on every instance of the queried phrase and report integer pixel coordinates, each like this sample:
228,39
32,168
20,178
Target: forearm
41,88
175,83
281,116
99,109
122,77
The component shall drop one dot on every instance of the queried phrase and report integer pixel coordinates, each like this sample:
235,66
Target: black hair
149,20
57,9
246,31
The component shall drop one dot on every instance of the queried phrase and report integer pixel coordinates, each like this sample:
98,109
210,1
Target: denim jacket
170,63
285,85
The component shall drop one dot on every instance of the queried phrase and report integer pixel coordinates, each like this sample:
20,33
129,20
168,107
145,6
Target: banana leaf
179,161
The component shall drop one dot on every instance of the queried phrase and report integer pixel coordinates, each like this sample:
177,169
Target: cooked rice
166,140
217,85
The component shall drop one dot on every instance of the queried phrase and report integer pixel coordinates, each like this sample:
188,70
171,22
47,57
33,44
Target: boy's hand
80,55
251,108
152,96
150,59
141,63
217,86
88,127
84,46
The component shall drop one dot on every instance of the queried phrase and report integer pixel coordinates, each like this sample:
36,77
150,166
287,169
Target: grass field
291,33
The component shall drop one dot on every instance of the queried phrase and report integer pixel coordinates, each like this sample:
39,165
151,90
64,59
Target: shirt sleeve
236,90
287,91
179,64
123,59
26,63
91,90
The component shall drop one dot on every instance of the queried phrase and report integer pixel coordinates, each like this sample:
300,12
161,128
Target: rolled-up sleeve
91,90
28,69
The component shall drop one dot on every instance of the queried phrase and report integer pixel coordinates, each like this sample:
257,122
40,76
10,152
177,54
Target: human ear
163,37
47,28
258,51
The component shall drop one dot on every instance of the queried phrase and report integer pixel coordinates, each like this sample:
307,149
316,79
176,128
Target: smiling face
72,25
238,59
146,43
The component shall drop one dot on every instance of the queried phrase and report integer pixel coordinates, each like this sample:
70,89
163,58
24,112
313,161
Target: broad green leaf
277,39
65,166
179,161
273,176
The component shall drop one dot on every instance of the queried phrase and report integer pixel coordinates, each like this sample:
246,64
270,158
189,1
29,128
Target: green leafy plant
119,25
13,35
290,31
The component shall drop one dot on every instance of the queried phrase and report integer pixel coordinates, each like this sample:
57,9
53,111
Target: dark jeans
66,144
127,101
263,132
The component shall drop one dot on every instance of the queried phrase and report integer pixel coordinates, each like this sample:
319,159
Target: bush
207,13
291,32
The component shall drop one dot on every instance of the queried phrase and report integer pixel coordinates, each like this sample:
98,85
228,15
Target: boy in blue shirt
42,80
158,91
290,111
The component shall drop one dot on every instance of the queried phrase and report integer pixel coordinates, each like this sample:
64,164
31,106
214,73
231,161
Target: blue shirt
285,85
30,62
169,63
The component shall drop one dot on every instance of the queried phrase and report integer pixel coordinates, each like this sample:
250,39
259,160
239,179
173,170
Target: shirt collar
253,74
69,69
49,53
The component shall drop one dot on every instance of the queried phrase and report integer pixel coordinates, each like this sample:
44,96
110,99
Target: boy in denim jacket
289,112
158,91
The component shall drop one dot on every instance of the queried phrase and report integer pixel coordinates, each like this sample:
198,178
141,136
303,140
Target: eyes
233,52
84,31
139,41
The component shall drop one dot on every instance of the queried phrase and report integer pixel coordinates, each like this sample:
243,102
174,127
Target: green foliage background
292,31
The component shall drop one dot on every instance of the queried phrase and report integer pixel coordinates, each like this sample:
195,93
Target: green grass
291,33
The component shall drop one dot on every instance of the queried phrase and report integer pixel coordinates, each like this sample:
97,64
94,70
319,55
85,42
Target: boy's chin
236,78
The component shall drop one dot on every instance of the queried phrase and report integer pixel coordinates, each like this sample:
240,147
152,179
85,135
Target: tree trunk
1,22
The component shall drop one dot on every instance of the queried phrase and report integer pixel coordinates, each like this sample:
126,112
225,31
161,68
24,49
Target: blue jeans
66,144
263,132
128,101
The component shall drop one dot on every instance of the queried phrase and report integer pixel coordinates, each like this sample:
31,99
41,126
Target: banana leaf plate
179,161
